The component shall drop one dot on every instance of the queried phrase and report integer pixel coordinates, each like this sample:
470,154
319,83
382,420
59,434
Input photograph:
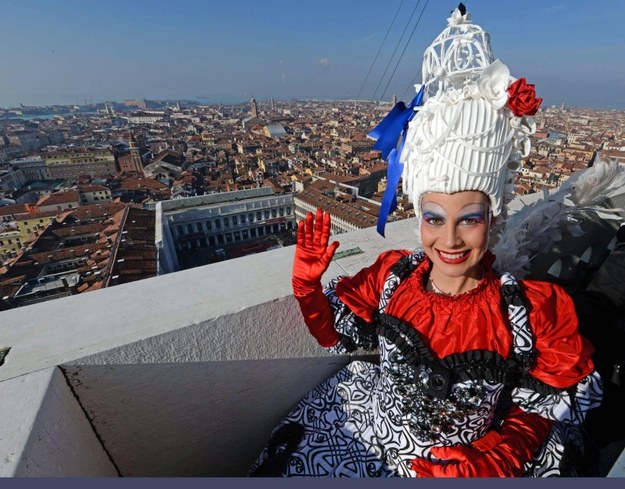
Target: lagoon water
47,116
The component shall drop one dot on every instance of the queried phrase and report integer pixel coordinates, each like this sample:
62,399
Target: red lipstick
459,257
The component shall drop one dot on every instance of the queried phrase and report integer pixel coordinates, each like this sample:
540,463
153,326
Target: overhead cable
404,51
395,50
379,50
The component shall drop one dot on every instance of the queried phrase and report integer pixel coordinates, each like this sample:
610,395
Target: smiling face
454,232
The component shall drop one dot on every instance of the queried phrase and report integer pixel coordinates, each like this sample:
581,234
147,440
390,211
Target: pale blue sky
66,51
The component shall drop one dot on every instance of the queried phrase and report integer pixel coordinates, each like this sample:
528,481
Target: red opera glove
497,454
312,259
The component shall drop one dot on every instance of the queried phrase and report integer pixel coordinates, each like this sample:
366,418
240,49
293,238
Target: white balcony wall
182,374
44,432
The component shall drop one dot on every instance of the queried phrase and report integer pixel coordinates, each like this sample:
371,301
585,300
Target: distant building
165,173
83,161
10,242
91,248
9,152
169,156
144,118
223,220
363,184
78,156
12,179
34,190
247,147
347,212
59,201
142,190
141,104
27,140
8,212
250,122
94,194
131,162
33,168
274,131
253,108
24,226
34,222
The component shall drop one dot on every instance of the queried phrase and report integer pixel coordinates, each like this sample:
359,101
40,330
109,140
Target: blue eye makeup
469,216
433,218
473,217
430,215
474,214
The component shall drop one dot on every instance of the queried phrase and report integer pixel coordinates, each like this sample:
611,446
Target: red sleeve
361,293
563,355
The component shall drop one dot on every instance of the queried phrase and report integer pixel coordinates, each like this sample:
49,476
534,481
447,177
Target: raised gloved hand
312,254
312,258
497,454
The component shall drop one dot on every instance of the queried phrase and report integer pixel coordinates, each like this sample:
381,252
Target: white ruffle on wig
464,137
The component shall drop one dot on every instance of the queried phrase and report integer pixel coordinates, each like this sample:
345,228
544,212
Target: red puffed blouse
476,320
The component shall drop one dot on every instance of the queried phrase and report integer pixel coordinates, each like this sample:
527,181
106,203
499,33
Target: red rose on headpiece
522,98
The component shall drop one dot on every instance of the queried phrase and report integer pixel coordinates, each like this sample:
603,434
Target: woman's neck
451,286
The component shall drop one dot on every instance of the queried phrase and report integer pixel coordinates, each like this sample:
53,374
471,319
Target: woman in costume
480,374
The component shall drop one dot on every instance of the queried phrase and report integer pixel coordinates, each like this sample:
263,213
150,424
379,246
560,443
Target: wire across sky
67,52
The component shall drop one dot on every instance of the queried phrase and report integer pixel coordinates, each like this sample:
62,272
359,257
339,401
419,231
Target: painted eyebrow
432,214
473,215
433,207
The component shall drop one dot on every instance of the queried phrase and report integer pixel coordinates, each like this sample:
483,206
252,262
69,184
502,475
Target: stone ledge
45,432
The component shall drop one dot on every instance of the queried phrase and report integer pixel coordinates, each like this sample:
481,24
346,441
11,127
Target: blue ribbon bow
387,133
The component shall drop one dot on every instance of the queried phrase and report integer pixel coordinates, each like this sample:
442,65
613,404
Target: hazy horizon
70,51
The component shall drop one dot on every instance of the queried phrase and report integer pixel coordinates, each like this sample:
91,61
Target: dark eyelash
432,218
475,217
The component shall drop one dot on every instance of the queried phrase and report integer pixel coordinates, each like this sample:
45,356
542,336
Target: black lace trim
367,334
406,338
468,365
404,267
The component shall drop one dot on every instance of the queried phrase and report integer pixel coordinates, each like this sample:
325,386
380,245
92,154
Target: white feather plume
534,228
